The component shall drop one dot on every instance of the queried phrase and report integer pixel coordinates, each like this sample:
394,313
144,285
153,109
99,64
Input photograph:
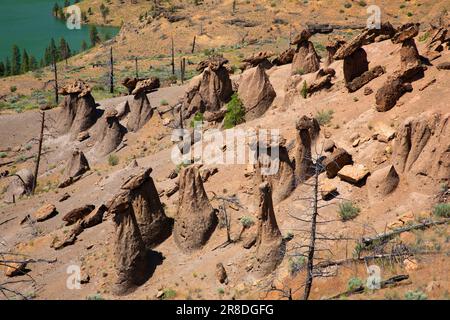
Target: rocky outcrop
196,219
256,92
130,83
332,47
307,130
109,133
422,147
21,184
270,247
79,110
388,95
75,168
306,59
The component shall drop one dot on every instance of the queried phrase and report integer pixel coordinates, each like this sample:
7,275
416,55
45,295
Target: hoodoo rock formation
76,166
282,175
260,58
307,131
144,201
270,246
306,58
383,182
79,110
196,219
141,225
285,57
256,92
140,109
109,133
212,90
411,69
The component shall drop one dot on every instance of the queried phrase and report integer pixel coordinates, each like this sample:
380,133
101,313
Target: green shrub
299,72
96,296
409,14
113,160
247,221
362,3
442,210
3,155
220,291
296,264
347,5
13,88
169,294
198,118
416,295
348,211
304,91
324,117
235,112
354,283
164,102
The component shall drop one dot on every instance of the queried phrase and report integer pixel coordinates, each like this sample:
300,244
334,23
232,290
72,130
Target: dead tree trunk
55,71
111,71
173,58
312,241
182,69
193,44
136,67
38,158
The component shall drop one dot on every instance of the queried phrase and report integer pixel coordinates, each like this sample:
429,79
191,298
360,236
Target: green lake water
30,25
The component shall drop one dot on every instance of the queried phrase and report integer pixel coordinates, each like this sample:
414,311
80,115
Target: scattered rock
83,136
94,218
20,184
329,145
64,197
221,274
360,81
46,212
410,264
15,269
78,214
443,66
353,174
336,161
368,91
328,189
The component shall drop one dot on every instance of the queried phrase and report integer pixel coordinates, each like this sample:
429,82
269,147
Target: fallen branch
389,282
389,235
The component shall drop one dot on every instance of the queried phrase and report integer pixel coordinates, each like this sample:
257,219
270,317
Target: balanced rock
260,58
270,247
285,57
196,219
306,59
256,92
141,110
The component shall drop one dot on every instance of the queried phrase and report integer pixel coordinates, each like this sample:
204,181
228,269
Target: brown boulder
256,92
221,274
270,247
77,214
359,82
94,218
388,95
130,83
196,219
406,32
141,112
336,161
146,86
260,58
46,212
353,174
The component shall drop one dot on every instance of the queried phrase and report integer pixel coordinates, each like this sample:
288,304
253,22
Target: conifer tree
16,61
